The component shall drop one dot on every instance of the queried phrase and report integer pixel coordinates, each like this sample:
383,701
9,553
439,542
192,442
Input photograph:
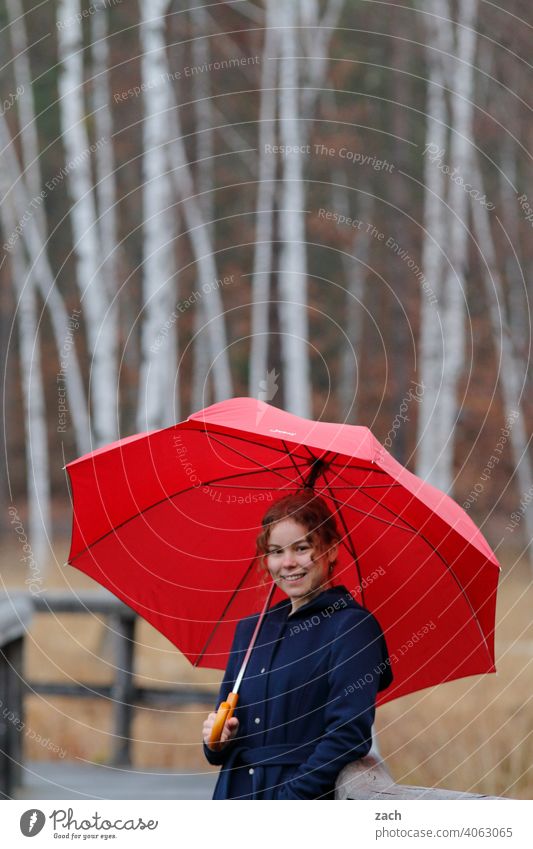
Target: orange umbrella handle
225,712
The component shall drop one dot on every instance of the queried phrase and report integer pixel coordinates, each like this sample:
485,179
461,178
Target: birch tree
205,149
100,322
264,212
35,429
446,239
355,265
292,274
36,247
159,358
204,255
105,189
25,185
295,112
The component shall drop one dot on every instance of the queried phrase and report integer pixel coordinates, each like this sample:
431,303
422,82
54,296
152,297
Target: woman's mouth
296,576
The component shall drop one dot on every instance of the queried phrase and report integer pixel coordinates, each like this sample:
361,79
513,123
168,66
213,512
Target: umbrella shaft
252,641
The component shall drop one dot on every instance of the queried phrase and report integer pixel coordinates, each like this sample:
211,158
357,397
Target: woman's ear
333,552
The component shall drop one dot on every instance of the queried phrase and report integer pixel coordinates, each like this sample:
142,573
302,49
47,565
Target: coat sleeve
238,650
356,658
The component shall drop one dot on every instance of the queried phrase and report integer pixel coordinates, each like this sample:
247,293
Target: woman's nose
288,557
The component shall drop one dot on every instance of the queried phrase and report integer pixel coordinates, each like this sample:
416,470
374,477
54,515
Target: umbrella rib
170,497
250,472
224,612
291,458
395,515
373,468
241,439
353,488
131,519
407,528
412,529
445,563
246,457
349,544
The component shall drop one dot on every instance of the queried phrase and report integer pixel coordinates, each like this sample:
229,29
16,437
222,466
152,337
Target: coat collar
334,598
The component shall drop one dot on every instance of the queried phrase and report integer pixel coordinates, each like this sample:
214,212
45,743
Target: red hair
307,509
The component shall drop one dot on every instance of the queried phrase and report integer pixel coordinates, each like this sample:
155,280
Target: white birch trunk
264,220
101,331
292,276
36,441
34,232
28,128
461,147
318,41
355,267
442,305
294,132
37,466
200,49
512,368
203,252
104,155
159,361
431,342
518,301
44,279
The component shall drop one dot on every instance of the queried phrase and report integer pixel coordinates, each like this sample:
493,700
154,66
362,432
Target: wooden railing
16,611
369,778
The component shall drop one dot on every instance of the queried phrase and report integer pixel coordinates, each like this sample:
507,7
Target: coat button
251,771
263,670
257,720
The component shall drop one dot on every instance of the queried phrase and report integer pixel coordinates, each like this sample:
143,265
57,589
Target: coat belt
261,757
276,754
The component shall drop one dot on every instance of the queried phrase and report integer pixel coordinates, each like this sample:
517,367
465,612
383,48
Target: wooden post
15,688
4,724
123,689
15,615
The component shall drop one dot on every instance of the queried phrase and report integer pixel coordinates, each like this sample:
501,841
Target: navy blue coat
307,699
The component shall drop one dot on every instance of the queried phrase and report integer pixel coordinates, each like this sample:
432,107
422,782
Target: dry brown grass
473,735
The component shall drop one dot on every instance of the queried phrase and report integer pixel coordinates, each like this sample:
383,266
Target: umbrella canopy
167,521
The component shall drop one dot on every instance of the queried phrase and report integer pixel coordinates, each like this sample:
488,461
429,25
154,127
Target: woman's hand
231,726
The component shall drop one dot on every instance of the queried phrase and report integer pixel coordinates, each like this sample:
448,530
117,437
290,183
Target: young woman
307,699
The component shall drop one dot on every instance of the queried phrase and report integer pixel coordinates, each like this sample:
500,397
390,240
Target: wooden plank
369,778
142,696
405,791
177,696
87,601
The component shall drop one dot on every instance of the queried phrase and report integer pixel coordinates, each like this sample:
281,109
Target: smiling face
297,564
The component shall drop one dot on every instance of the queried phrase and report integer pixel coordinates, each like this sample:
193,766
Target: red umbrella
167,521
